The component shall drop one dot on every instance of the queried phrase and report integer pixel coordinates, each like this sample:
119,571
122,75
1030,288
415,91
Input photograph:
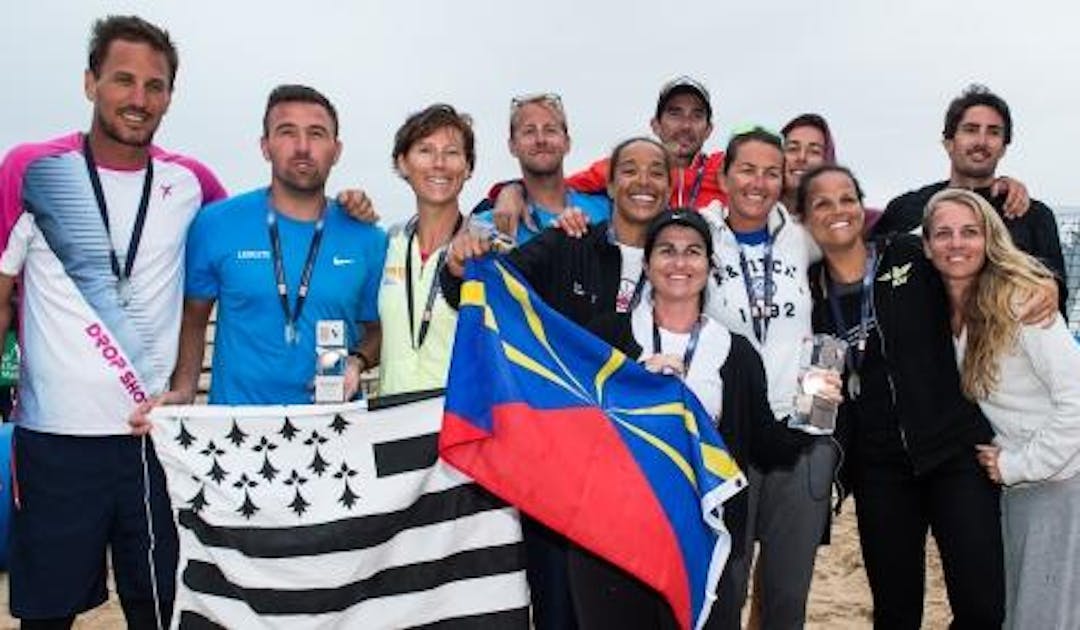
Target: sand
839,597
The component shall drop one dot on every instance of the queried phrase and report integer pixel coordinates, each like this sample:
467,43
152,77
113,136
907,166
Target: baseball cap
679,216
683,85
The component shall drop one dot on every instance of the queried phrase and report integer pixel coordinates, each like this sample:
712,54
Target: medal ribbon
760,306
691,346
429,304
535,213
292,315
695,188
122,275
856,352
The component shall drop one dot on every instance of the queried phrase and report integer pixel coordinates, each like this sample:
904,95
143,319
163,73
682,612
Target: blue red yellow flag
625,463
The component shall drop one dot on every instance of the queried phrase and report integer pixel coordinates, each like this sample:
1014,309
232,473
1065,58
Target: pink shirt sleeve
211,188
12,171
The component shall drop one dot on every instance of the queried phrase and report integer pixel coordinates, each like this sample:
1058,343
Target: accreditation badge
331,359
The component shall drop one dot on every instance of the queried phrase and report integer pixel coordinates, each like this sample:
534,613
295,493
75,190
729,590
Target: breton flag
333,516
625,463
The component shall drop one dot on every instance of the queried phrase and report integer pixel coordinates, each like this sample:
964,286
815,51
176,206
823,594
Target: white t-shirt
710,354
87,357
630,276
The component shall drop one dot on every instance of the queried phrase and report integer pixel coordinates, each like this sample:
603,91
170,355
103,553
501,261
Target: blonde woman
1027,381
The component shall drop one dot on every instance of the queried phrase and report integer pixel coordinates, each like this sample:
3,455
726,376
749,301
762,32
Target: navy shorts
74,498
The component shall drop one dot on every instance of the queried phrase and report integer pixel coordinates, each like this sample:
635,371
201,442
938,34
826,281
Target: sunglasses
547,98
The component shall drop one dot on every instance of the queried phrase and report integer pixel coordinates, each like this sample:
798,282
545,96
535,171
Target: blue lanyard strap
536,211
857,351
122,275
639,288
760,305
292,315
691,346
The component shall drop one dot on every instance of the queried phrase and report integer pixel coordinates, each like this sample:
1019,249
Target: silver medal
290,333
123,291
854,387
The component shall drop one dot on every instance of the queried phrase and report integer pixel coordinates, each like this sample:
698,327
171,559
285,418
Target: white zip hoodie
728,303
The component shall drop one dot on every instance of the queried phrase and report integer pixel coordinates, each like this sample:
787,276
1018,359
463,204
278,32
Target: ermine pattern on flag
333,516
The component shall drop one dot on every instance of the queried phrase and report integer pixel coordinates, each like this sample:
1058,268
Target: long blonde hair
1008,277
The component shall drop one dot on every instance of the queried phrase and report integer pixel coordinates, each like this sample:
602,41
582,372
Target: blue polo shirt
230,259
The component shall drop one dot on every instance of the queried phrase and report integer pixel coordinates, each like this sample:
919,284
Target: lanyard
695,188
639,286
536,218
293,315
760,305
635,297
123,276
691,346
855,355
429,304
536,213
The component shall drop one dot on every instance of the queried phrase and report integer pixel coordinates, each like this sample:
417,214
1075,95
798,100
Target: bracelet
364,363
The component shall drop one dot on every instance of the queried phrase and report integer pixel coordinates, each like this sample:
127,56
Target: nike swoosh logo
338,262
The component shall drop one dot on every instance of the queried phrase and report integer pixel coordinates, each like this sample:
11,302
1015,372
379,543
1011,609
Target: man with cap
682,122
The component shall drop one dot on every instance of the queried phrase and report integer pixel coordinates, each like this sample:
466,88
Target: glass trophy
821,355
484,229
331,359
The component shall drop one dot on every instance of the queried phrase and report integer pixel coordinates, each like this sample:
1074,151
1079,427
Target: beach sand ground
839,597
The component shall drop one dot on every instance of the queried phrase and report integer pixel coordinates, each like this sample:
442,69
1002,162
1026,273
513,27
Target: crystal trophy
821,355
331,359
484,229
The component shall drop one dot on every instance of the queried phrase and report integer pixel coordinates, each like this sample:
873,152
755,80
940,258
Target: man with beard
278,260
94,226
540,140
978,128
682,122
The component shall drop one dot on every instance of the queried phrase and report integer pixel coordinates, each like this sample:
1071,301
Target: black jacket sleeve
897,216
615,329
532,259
537,260
750,430
450,285
905,213
1046,246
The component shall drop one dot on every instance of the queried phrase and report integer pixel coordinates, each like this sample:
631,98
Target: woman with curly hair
1025,379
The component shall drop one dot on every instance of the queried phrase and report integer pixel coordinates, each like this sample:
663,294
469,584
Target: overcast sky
881,72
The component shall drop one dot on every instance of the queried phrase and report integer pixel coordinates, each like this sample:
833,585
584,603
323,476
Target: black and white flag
333,516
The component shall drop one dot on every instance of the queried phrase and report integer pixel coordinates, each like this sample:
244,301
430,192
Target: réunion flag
625,463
